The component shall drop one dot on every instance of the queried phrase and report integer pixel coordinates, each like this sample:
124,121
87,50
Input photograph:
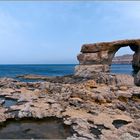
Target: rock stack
98,57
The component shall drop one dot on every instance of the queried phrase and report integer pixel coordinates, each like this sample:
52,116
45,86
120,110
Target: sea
13,71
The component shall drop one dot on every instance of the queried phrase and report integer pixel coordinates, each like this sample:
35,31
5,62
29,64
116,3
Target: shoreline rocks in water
89,107
102,78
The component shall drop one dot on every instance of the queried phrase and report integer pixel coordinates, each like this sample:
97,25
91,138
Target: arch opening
122,61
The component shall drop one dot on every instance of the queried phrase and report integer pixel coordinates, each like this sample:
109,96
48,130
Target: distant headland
123,59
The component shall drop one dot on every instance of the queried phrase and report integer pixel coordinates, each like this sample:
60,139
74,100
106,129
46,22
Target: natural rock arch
98,56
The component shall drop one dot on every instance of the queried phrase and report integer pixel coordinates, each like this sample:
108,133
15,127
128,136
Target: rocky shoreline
92,108
93,103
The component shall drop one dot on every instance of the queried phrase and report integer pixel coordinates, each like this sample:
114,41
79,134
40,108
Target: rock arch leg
136,61
136,57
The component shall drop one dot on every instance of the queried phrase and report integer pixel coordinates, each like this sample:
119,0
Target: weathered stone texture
98,57
93,58
110,46
90,70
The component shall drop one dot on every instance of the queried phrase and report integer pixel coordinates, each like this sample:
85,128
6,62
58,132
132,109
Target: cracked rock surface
94,110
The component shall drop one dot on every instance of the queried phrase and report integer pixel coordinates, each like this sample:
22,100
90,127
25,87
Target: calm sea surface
52,70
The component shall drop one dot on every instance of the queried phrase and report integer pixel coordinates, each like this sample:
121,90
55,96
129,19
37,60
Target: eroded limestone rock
87,106
98,57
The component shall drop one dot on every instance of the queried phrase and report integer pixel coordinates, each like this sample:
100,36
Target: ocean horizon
13,70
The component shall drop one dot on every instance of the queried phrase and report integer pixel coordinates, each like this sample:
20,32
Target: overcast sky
53,32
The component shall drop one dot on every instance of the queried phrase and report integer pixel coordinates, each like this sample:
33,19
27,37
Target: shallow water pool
50,128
